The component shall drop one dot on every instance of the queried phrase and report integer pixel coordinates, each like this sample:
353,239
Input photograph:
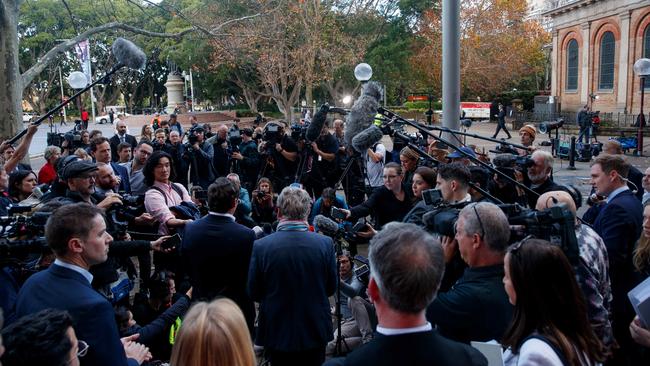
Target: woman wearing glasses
391,202
550,324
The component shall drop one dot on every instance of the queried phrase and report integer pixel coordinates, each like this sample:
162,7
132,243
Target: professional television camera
22,244
271,136
555,224
299,132
72,138
509,163
119,215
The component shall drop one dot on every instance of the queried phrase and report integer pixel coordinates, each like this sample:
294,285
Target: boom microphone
367,138
363,111
317,123
326,225
128,54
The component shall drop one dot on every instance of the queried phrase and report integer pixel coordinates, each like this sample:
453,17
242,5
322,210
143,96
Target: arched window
572,65
607,54
646,42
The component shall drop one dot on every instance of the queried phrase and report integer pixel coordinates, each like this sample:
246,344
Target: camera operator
592,273
503,189
11,157
221,156
323,153
199,154
482,234
176,149
584,121
78,237
540,175
80,177
248,158
281,154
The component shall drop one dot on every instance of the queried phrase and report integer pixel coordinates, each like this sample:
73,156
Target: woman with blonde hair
213,334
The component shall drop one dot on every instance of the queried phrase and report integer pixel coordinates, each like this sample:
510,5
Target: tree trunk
11,91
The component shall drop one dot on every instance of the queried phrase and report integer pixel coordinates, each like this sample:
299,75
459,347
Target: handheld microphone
367,138
326,225
362,113
128,54
317,123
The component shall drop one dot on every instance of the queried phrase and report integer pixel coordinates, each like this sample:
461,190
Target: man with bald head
220,160
592,273
121,137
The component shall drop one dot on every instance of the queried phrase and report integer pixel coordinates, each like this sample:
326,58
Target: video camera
555,224
509,163
271,136
22,238
299,132
72,138
119,215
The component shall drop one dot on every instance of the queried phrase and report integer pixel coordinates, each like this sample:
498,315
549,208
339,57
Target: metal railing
607,119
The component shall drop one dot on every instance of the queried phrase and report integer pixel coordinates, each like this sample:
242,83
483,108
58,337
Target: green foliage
435,105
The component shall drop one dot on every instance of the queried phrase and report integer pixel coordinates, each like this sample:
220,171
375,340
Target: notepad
640,299
491,350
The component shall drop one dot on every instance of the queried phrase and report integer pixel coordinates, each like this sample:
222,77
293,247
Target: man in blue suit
217,251
77,235
618,220
292,273
100,149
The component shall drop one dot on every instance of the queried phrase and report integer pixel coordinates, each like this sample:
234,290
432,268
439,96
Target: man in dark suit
217,251
120,137
618,220
407,265
77,235
292,273
100,149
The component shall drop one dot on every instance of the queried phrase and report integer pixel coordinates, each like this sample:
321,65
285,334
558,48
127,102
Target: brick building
595,45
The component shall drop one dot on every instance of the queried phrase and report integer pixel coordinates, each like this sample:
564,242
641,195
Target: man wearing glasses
476,308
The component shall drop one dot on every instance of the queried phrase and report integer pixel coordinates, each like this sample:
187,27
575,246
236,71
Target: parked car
106,119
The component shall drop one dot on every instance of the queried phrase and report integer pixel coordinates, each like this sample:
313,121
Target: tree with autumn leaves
500,49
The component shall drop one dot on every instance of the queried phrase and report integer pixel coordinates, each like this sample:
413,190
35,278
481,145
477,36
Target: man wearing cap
458,157
527,135
249,160
80,177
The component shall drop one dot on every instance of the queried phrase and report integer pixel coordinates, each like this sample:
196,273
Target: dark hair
122,319
329,193
222,195
428,175
480,176
151,164
94,133
68,221
159,284
455,171
549,302
16,180
38,339
96,142
123,145
143,142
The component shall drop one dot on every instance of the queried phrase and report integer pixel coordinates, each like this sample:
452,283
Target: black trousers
501,125
312,357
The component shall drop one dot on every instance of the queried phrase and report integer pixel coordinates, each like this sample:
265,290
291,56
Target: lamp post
641,68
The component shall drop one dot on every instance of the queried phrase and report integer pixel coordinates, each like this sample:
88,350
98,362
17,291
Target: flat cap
78,169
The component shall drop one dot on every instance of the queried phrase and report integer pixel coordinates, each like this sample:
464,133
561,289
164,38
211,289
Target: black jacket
422,348
383,205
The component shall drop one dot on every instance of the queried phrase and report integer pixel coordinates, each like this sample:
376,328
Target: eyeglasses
480,223
82,349
515,247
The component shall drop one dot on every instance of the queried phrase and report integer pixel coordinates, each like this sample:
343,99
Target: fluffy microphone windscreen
128,54
367,138
362,113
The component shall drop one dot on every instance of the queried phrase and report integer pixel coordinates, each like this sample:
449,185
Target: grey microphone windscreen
128,54
325,225
367,138
362,113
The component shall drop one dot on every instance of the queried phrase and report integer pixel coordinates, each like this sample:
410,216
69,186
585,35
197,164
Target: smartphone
172,242
338,213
